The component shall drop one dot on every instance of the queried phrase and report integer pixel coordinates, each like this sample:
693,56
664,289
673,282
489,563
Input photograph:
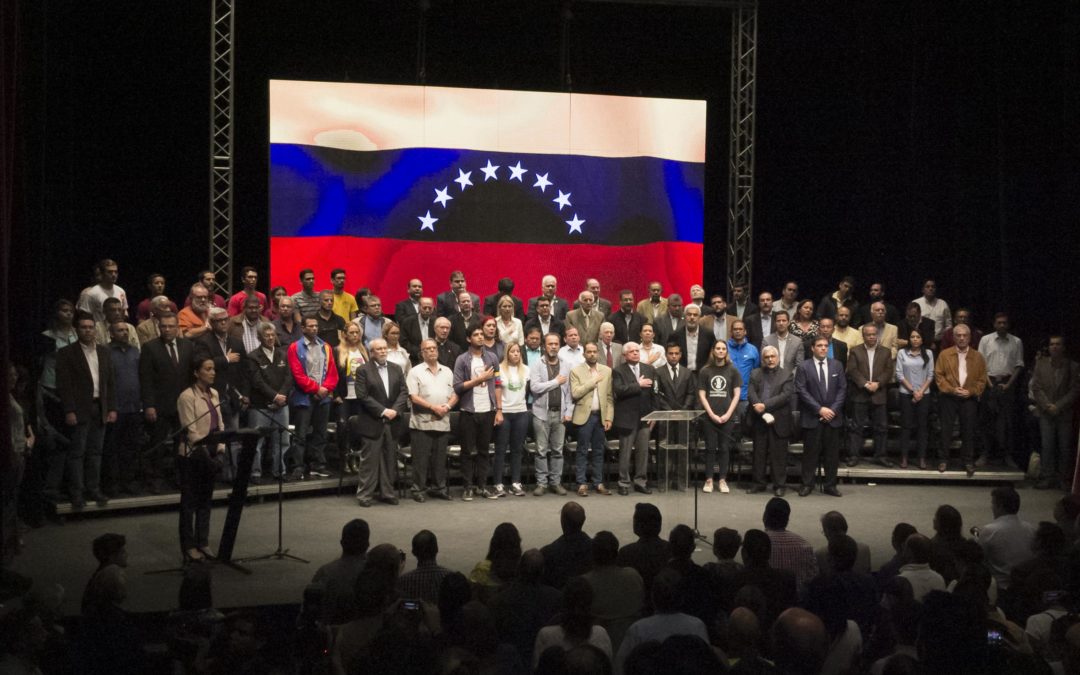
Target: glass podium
674,444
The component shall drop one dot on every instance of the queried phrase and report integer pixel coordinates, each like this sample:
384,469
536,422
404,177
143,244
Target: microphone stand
280,553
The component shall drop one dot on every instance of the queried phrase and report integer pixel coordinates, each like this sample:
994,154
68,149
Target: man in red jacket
313,368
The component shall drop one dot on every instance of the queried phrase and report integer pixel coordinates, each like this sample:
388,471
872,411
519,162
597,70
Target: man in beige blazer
586,318
655,305
594,410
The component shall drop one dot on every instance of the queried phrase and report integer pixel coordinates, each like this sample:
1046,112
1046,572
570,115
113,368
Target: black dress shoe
440,494
643,489
970,469
805,490
756,490
366,503
884,461
419,497
780,491
392,501
624,490
852,461
832,492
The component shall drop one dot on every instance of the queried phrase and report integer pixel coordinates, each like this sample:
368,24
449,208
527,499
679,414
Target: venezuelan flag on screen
395,182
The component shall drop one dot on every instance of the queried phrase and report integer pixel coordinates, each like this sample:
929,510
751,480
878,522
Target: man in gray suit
611,352
788,347
770,394
380,386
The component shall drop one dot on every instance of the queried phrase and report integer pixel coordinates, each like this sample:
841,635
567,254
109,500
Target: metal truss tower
222,33
740,240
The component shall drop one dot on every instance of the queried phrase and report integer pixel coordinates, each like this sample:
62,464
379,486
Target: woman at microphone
200,415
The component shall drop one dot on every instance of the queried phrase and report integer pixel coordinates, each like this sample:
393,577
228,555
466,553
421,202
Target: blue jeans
511,433
590,436
550,436
81,459
1056,433
278,440
310,435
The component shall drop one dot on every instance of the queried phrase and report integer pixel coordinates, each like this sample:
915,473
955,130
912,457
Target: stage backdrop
395,182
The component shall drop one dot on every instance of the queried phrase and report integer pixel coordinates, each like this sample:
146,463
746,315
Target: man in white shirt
1004,355
92,299
431,392
917,571
572,353
934,308
1006,541
549,379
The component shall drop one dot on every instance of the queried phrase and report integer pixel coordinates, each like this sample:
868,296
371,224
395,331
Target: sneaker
559,489
320,472
708,486
467,496
539,491
297,474
498,491
724,489
492,494
517,490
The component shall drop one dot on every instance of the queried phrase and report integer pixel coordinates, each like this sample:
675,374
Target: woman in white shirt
575,625
351,356
652,354
395,353
511,433
915,373
509,326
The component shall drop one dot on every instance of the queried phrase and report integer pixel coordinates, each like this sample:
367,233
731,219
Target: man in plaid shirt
423,582
789,550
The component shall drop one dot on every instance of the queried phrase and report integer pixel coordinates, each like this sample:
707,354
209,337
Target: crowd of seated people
99,408
1006,600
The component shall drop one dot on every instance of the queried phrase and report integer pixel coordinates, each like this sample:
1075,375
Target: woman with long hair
803,325
199,409
273,312
500,564
490,326
509,326
651,353
350,357
576,625
719,388
511,433
915,373
395,353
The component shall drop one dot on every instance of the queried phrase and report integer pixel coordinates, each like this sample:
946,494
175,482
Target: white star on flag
542,182
463,179
427,222
442,196
563,199
516,172
575,225
489,171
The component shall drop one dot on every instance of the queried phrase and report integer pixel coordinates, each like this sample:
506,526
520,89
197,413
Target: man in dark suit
771,390
821,385
464,321
759,323
666,324
634,387
627,321
418,327
506,287
448,349
870,369
447,301
559,306
410,306
266,385
380,386
544,319
838,349
677,390
741,306
86,386
694,342
165,368
227,352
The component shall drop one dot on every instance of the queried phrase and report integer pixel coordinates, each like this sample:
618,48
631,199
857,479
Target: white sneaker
724,489
708,486
517,490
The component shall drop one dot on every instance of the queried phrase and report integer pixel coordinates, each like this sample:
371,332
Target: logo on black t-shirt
718,386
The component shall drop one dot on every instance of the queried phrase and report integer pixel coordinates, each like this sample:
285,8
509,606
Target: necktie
821,376
674,373
609,361
172,354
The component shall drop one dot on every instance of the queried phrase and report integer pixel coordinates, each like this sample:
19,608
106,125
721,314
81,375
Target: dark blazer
663,331
491,310
839,350
403,310
559,307
159,379
926,330
751,308
410,335
632,401
781,389
555,326
678,395
858,371
229,375
622,334
754,335
446,303
75,383
448,353
266,378
705,343
460,329
374,399
827,307
812,399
